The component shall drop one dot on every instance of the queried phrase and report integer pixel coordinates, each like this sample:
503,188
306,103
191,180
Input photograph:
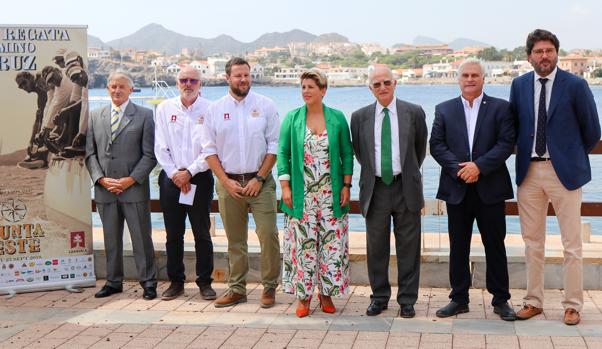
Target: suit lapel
531,97
482,114
368,128
106,121
403,128
557,90
461,122
130,110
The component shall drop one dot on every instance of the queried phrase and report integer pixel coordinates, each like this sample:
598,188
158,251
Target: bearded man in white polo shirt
240,146
185,171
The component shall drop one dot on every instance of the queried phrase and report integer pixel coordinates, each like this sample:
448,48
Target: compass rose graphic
13,210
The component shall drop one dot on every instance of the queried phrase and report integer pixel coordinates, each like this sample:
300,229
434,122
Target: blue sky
503,24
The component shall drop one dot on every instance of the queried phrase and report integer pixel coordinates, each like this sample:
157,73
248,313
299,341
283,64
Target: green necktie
386,158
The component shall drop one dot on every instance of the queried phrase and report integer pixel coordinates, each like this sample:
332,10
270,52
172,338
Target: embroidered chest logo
174,118
226,116
255,112
201,120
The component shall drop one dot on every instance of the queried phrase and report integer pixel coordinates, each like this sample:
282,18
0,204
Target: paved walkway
64,320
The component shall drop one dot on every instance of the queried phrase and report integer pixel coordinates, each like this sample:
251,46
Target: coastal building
426,50
495,69
573,63
257,71
98,53
371,47
439,70
290,75
346,75
217,66
202,66
173,69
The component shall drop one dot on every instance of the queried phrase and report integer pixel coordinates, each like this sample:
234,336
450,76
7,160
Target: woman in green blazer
315,164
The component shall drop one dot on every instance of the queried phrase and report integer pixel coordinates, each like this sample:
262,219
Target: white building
98,53
496,68
173,69
288,74
257,71
217,66
201,66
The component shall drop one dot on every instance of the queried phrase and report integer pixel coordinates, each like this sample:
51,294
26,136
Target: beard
544,70
240,92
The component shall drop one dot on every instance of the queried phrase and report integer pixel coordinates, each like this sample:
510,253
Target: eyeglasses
377,85
540,52
191,81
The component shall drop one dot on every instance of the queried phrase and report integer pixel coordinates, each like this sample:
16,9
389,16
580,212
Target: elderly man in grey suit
120,156
389,141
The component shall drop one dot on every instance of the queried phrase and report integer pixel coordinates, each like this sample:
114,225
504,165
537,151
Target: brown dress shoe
230,298
571,316
528,311
268,297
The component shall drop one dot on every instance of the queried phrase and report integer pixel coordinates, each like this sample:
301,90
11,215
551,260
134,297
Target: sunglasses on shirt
191,81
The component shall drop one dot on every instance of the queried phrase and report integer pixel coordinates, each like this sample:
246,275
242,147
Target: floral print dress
316,247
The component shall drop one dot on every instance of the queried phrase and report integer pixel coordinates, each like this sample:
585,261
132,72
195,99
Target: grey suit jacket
412,146
130,154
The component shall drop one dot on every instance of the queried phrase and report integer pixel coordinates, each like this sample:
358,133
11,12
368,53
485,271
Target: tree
490,54
597,73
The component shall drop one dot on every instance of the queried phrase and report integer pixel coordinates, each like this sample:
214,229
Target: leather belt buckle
537,159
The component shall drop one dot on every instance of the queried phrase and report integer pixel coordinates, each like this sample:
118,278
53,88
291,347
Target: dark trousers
388,203
175,214
491,221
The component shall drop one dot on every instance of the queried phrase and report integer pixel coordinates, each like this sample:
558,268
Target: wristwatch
260,179
348,185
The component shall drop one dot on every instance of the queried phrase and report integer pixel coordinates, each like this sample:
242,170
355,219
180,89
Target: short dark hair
235,61
541,35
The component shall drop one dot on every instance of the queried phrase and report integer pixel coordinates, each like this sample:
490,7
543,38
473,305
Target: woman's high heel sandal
330,309
303,307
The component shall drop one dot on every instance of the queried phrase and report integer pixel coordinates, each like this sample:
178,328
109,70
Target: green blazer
290,156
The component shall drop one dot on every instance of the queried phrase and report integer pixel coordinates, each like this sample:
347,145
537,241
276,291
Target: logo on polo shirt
173,118
226,116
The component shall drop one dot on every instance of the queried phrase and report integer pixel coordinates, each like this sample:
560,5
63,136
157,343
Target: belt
243,177
537,158
395,177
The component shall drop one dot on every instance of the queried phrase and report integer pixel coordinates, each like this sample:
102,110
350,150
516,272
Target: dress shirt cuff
284,177
272,148
171,173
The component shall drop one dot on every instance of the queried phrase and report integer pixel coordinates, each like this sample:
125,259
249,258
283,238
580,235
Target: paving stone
361,323
369,344
422,326
244,320
304,343
469,326
544,328
286,321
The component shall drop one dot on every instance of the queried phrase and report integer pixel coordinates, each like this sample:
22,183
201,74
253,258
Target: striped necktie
114,122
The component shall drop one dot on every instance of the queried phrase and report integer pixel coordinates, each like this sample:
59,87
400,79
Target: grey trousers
137,216
388,202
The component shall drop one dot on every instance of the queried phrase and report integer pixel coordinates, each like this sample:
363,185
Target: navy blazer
493,143
572,131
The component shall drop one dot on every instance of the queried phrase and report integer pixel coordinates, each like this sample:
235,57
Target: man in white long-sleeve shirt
240,146
178,151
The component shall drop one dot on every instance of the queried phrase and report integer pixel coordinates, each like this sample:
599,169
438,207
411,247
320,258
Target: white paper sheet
188,198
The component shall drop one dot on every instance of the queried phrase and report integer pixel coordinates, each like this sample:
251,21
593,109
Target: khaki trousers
540,185
235,216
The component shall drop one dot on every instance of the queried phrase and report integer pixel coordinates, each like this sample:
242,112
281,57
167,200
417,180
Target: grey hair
198,72
470,61
120,74
372,68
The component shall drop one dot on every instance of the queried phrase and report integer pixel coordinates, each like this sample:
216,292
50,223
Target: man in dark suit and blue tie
471,138
558,127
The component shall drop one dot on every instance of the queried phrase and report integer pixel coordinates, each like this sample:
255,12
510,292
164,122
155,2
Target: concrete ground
78,320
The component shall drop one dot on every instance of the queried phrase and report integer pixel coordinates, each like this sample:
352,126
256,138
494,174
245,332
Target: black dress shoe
150,293
107,290
407,311
505,311
376,308
452,309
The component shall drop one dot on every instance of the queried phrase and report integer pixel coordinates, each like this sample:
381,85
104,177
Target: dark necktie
542,117
386,156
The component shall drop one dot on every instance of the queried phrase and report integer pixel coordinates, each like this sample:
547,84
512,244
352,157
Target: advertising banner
45,220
